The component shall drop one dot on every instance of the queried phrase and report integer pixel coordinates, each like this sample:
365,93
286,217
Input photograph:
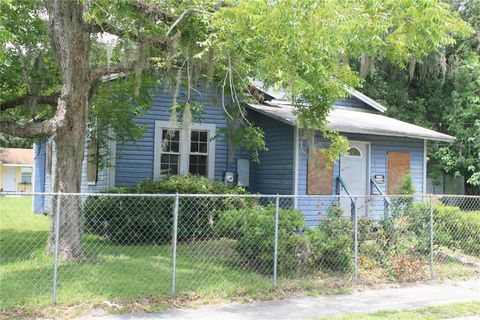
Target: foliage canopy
305,48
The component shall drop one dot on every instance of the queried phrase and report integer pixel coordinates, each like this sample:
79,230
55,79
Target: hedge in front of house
301,250
453,228
149,219
332,242
254,232
457,229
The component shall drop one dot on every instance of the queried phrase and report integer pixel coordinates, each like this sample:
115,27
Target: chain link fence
119,247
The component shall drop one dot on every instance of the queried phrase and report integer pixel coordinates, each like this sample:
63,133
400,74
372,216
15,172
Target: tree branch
151,10
30,130
105,71
29,99
180,18
43,128
161,43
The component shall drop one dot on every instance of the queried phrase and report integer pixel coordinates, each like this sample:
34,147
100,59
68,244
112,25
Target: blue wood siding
39,176
274,173
315,208
135,158
47,203
43,204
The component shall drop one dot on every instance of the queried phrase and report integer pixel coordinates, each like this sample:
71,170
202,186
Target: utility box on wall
229,179
243,172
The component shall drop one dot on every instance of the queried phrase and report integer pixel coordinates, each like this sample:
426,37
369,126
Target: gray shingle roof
353,121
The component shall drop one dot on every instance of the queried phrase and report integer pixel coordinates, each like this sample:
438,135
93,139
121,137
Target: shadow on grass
21,245
113,272
206,271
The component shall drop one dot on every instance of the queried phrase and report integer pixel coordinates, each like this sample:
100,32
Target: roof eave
438,137
372,103
402,135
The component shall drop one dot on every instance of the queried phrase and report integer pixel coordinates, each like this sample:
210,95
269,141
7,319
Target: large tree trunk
71,45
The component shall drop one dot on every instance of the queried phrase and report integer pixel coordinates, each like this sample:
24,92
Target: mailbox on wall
379,179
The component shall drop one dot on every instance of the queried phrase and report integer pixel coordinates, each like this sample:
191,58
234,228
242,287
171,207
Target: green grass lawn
463,309
111,272
208,271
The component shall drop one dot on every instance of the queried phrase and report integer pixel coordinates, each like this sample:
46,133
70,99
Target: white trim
16,165
424,167
365,99
113,161
369,169
184,147
296,146
354,109
157,149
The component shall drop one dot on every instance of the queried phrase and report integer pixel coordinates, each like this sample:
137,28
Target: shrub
453,228
332,242
407,268
399,239
457,229
132,219
253,228
403,203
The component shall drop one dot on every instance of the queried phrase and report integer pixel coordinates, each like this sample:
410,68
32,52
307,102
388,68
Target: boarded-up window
92,162
320,174
398,168
48,159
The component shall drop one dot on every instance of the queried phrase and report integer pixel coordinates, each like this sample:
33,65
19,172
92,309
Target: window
26,177
169,161
354,152
178,151
198,152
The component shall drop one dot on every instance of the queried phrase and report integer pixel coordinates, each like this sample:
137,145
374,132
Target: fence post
275,247
55,249
432,273
355,242
174,241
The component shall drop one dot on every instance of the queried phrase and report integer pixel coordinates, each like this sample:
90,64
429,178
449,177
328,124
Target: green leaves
308,48
248,137
302,46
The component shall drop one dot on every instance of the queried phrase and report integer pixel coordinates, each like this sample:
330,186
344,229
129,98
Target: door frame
368,164
368,146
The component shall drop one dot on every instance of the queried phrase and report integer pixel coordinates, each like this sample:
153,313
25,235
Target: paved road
308,307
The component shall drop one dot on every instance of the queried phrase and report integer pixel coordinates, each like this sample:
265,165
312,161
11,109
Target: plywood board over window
320,173
92,153
398,167
48,159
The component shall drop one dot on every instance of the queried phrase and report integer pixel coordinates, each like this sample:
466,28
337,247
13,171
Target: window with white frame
178,151
26,177
170,149
198,157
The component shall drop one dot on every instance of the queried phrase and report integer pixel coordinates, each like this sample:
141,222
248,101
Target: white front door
9,178
353,171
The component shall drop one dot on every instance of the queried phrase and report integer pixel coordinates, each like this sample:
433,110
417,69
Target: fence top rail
200,195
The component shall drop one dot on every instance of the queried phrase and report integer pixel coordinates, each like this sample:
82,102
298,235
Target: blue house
382,151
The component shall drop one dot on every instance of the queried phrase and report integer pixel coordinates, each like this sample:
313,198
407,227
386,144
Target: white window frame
184,149
26,170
